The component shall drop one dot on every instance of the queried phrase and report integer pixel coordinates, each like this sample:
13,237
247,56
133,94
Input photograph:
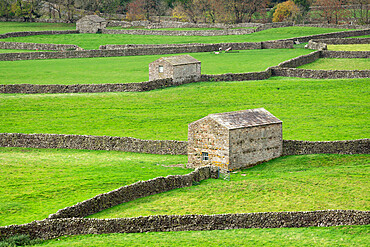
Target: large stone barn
179,68
91,24
234,140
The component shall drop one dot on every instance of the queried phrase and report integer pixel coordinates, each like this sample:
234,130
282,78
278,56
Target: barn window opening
205,156
160,69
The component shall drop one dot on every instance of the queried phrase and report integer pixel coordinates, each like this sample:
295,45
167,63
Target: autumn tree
191,9
286,11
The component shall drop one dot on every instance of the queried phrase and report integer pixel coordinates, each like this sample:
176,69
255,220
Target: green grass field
310,109
7,27
311,236
291,183
338,64
133,68
38,182
92,41
358,47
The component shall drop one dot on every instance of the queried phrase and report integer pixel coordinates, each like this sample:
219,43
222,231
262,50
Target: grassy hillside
339,64
310,109
92,41
358,47
38,182
291,183
133,68
312,236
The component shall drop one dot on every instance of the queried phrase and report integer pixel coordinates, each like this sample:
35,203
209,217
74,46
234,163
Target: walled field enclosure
244,134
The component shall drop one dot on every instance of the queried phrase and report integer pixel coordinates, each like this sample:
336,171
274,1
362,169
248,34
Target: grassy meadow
8,27
39,182
93,41
310,236
357,47
338,64
291,183
133,68
310,109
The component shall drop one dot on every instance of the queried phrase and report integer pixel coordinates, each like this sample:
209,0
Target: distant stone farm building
179,68
91,24
234,140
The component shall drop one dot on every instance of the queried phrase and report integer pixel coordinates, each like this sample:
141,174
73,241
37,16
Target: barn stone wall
53,228
187,71
89,26
134,191
206,135
251,146
154,73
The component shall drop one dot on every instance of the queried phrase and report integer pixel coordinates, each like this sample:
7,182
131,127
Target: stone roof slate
180,60
93,18
245,118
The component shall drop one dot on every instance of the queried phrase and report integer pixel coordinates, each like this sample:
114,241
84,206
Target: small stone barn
91,24
179,68
234,140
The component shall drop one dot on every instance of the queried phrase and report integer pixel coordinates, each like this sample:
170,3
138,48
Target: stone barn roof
92,18
180,60
245,118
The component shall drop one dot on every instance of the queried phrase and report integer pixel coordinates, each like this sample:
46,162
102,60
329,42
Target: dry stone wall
338,41
343,34
180,33
135,50
41,20
128,144
178,24
345,54
291,147
194,47
31,33
129,87
238,76
134,191
53,228
320,74
301,60
36,46
125,144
